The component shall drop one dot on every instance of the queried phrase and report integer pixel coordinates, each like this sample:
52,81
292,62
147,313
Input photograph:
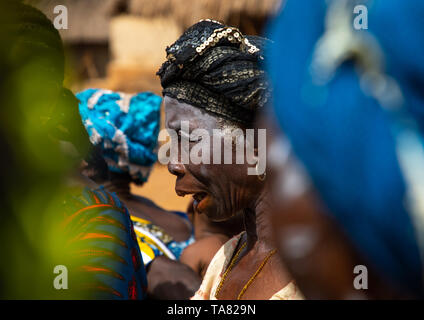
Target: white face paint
203,146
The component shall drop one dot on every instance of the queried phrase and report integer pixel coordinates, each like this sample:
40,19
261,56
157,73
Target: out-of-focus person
124,128
59,241
348,159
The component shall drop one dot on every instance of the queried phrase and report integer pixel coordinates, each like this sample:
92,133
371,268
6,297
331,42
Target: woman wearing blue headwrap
349,102
124,128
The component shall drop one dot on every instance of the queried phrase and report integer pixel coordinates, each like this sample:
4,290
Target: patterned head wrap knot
217,68
126,128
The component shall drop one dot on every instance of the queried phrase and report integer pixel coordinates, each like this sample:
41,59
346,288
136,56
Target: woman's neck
120,186
256,223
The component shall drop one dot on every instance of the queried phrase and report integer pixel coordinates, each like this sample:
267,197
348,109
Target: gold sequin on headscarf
217,68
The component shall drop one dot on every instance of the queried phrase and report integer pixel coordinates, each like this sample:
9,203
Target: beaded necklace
249,282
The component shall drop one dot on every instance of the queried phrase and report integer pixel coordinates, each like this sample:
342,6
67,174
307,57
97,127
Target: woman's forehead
176,111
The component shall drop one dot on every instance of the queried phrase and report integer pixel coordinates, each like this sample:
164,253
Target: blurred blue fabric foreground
352,104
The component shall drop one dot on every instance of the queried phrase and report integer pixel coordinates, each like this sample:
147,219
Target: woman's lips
199,196
200,199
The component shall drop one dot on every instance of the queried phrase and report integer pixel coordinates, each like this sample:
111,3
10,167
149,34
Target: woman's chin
208,207
216,215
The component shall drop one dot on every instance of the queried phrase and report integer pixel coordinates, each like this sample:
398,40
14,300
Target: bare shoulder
208,244
199,254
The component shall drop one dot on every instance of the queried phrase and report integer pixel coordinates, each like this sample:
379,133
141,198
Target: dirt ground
160,188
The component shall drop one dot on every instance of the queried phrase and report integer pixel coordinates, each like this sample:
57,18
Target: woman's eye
195,138
181,135
187,136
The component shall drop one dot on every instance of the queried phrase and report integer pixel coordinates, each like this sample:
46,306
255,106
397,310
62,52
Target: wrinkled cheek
206,173
217,204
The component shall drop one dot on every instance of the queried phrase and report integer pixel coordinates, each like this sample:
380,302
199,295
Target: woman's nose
176,169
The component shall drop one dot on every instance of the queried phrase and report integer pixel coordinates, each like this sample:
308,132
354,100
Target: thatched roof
188,12
88,20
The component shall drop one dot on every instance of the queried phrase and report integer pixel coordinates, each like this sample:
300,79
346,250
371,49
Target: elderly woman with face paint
213,79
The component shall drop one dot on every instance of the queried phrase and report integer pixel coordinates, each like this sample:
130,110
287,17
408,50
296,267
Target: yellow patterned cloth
220,263
155,241
151,239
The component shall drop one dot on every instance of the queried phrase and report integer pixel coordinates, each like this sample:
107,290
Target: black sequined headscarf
216,68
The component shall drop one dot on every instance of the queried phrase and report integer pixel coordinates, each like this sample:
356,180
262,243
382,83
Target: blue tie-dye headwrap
125,126
352,104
